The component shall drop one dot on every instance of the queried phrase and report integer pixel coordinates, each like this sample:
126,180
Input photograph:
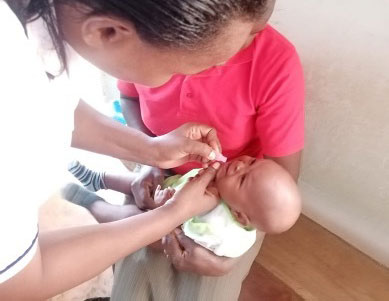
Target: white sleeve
34,133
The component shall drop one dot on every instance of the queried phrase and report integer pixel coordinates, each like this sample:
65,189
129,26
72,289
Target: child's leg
119,183
102,211
94,181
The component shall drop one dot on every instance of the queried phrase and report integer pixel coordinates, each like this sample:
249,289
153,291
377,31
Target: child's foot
92,180
78,195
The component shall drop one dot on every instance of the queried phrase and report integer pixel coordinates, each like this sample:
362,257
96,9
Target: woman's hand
145,185
189,142
194,198
187,256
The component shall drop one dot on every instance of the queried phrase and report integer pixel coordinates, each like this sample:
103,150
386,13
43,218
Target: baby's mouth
222,172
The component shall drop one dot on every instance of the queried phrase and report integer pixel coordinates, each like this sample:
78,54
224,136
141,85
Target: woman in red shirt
255,100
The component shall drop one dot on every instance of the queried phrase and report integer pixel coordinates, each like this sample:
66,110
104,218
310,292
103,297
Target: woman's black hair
165,23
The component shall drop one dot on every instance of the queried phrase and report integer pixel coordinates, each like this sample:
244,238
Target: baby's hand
161,196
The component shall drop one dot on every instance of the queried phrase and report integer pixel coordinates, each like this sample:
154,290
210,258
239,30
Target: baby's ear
241,217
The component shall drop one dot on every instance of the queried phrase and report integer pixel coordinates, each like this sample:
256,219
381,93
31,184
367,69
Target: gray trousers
147,275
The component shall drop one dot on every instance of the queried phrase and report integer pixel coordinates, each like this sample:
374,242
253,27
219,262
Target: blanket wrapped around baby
217,230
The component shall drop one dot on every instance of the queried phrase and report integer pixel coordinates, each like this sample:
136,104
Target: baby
256,195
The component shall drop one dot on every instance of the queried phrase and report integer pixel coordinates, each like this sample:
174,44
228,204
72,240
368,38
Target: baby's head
260,193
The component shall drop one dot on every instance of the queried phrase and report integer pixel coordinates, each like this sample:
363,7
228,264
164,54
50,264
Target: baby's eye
242,180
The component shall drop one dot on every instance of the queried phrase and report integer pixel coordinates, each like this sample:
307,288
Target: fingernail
212,156
216,165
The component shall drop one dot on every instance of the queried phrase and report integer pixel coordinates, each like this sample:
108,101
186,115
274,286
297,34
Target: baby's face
236,180
259,193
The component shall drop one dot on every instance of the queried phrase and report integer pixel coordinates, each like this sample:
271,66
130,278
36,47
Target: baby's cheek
225,188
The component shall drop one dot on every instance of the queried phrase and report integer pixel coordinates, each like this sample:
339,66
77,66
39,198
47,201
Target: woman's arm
132,115
66,258
291,163
98,133
188,256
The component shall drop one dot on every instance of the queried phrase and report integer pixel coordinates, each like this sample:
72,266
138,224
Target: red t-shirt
255,100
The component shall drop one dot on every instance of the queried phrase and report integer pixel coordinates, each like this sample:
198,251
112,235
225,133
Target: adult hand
195,197
145,185
196,189
187,256
189,142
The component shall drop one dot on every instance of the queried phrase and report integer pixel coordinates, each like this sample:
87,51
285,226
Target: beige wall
344,47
